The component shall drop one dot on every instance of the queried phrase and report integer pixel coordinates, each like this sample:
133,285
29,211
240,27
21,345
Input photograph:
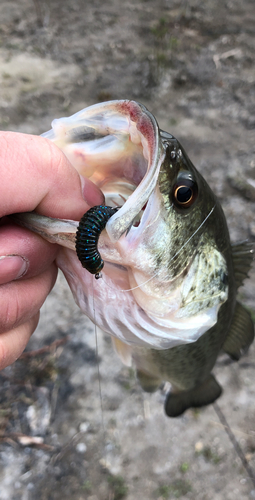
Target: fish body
168,290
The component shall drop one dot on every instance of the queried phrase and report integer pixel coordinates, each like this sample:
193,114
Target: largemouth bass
167,294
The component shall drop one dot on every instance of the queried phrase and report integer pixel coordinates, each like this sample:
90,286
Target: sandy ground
193,65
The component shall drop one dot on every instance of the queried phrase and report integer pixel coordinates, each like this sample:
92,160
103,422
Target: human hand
35,175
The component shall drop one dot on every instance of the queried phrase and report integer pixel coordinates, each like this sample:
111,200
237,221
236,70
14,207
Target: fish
167,292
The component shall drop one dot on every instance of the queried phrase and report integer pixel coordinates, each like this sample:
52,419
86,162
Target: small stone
199,446
26,475
105,464
81,448
84,426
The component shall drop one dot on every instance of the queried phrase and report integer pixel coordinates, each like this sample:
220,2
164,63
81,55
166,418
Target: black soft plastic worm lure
90,227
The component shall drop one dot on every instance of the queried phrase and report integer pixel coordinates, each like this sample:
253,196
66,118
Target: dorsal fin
242,259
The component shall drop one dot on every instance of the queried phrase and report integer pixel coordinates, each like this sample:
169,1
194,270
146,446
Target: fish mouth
117,145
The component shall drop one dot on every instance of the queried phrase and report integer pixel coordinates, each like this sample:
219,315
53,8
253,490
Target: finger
13,343
35,174
36,254
21,300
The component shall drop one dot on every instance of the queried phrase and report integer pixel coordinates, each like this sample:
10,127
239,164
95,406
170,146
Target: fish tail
202,395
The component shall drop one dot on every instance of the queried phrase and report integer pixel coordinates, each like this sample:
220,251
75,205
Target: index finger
35,174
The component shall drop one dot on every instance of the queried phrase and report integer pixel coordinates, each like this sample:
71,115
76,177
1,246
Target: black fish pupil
183,194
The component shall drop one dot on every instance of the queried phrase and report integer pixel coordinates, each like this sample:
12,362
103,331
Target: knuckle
56,159
11,313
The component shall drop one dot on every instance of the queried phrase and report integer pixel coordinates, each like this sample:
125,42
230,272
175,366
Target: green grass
184,467
118,487
87,486
209,455
177,489
161,29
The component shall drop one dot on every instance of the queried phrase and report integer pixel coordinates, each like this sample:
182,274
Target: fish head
164,276
178,253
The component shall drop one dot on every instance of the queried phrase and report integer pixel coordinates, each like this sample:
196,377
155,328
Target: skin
35,175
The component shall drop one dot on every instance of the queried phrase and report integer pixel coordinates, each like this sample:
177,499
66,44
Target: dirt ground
192,64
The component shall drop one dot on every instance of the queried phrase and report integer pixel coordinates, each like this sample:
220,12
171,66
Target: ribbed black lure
90,227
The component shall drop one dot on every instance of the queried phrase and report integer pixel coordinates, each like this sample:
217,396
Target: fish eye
184,192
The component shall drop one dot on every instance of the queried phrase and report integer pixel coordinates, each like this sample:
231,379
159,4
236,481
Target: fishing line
100,275
98,369
234,442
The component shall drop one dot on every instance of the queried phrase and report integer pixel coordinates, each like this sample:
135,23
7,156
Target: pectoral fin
202,395
241,333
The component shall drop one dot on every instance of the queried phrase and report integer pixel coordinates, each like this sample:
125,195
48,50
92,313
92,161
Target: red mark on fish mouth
143,122
130,108
80,155
137,222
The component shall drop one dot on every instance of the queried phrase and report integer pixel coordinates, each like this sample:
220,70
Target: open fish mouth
157,290
116,145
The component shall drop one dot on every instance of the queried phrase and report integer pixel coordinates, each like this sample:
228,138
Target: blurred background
192,64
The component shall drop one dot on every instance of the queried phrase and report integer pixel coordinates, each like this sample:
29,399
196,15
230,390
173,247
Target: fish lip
147,125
